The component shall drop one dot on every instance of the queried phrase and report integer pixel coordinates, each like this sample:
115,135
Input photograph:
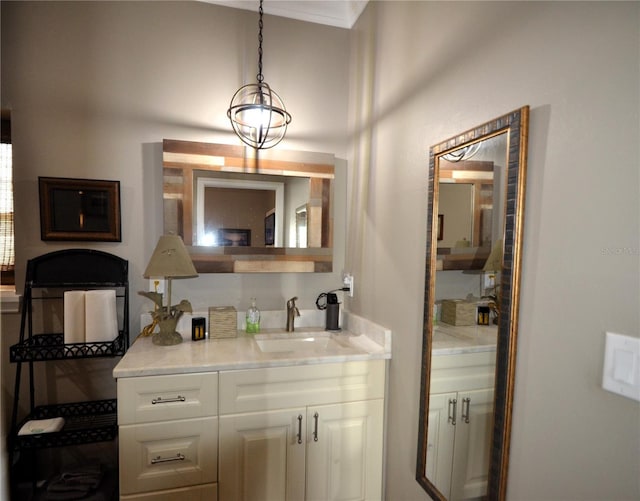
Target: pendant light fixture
257,113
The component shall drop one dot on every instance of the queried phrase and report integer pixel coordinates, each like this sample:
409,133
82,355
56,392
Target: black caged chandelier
256,112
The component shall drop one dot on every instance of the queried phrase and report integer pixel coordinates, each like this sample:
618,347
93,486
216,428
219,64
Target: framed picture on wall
269,229
233,237
440,226
79,209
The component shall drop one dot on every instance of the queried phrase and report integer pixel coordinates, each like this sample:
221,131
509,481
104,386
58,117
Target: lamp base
167,335
166,338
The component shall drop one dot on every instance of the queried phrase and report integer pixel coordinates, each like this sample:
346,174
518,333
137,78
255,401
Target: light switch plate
621,373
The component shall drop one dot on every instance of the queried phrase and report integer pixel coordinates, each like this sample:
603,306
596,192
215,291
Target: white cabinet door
440,440
344,451
472,444
302,433
262,456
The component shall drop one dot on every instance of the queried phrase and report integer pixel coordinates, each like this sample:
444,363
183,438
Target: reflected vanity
475,218
239,210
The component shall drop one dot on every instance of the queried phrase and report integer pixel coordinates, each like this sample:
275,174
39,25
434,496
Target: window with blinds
7,254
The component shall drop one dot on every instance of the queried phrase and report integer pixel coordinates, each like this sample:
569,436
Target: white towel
37,426
101,316
74,315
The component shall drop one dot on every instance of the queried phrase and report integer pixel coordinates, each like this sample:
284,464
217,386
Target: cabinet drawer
463,372
156,456
207,492
283,387
163,398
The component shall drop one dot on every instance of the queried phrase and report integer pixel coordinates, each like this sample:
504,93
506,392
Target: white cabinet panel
344,451
473,445
156,456
282,387
207,492
262,456
165,398
440,441
460,424
322,453
459,443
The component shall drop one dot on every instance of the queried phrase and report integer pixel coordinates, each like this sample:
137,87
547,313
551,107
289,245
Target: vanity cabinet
460,423
303,432
298,432
168,428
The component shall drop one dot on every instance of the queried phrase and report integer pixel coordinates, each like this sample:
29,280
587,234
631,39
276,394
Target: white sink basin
303,341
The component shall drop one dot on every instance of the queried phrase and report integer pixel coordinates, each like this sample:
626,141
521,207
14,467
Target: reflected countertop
359,339
453,340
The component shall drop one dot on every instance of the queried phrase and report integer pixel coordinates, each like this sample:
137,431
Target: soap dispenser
253,318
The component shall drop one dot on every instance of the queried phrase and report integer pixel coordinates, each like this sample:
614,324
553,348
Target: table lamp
170,260
493,265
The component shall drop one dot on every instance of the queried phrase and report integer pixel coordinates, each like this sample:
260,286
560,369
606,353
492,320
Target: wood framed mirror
471,311
236,208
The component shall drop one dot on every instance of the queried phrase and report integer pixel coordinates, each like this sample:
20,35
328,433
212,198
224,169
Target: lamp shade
170,259
494,261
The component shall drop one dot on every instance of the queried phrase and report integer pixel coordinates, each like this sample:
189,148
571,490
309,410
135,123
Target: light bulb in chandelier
258,115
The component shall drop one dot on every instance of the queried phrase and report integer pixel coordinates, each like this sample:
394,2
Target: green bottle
253,318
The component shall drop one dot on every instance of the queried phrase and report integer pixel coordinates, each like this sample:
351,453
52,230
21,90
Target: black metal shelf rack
47,277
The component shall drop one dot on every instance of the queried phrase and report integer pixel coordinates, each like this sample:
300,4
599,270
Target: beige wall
424,71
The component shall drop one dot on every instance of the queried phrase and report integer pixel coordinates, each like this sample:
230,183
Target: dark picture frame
440,226
270,229
79,209
234,237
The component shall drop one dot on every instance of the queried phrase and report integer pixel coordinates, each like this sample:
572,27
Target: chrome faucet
292,313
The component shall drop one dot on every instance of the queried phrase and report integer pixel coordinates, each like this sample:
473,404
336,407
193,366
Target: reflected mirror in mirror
471,180
243,211
474,237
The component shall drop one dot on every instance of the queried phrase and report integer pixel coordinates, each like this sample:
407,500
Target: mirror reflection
471,182
476,186
461,414
240,212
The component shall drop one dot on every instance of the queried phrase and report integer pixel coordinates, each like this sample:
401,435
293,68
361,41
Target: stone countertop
359,339
454,340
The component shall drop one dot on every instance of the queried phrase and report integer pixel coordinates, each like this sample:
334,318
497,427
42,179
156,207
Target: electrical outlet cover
152,285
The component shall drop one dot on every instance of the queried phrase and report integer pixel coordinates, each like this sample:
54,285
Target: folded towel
38,426
66,495
76,483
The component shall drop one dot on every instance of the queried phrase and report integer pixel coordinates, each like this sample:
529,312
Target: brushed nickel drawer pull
315,428
300,428
453,403
161,400
466,402
160,459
